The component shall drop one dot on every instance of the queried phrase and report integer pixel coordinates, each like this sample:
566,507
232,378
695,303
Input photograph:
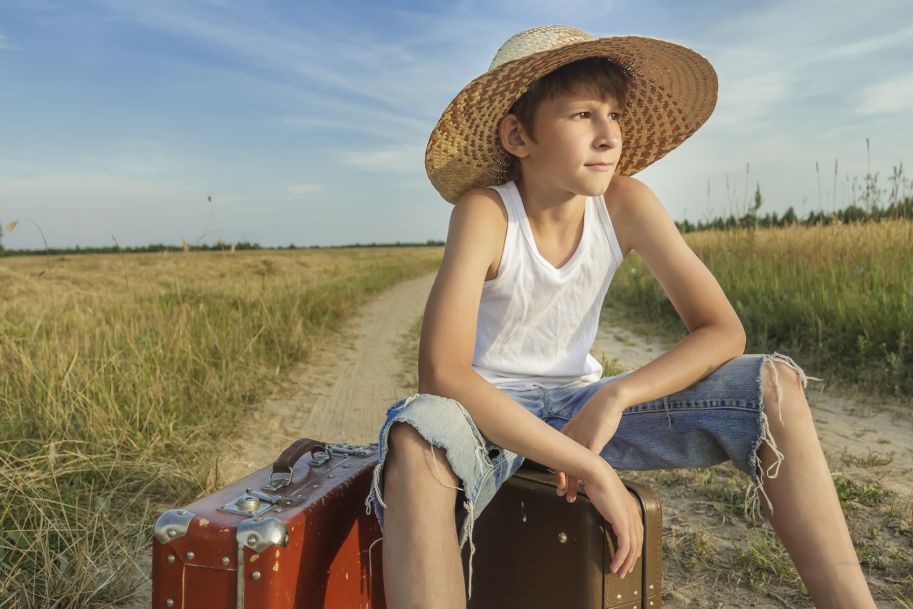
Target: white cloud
747,98
404,159
381,124
888,97
6,45
317,55
865,46
770,61
300,189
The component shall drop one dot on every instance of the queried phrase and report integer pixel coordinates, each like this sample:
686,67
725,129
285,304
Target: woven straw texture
672,93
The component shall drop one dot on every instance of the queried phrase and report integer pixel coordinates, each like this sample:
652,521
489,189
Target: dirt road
343,394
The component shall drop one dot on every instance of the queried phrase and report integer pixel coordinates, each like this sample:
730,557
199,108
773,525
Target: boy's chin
594,188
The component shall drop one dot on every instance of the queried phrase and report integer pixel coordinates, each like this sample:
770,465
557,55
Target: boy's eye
612,115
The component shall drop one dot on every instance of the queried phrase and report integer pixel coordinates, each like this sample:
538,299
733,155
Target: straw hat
672,93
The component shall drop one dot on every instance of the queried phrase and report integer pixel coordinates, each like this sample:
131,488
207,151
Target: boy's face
578,143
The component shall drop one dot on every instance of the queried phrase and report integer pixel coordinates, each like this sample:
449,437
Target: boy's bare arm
476,231
715,333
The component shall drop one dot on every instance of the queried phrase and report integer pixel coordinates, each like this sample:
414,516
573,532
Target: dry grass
120,376
837,296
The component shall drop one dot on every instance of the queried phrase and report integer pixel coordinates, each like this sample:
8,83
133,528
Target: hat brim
672,93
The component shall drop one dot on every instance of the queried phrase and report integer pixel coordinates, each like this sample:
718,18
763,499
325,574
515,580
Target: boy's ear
513,136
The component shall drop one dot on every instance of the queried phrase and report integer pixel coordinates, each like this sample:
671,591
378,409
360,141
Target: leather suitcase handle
290,455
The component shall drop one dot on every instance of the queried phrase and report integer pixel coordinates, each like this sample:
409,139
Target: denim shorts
719,418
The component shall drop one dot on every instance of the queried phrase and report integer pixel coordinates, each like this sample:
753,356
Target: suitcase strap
286,461
283,468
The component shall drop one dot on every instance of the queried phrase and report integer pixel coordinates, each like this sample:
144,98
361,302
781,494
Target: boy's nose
609,140
608,136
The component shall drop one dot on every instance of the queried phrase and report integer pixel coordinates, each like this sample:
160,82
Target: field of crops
120,375
838,296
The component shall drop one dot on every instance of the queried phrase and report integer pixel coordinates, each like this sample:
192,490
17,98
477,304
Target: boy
534,155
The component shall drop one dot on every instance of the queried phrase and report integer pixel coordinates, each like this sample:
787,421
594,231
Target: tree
790,216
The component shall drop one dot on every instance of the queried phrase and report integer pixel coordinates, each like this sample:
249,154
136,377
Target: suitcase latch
255,503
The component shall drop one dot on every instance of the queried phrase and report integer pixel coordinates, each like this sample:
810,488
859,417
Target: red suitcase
294,536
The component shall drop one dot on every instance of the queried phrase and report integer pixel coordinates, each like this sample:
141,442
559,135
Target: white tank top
537,323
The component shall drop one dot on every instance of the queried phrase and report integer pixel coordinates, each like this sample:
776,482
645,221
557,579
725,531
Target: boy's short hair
597,76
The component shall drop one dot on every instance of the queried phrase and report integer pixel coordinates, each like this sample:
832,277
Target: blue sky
307,122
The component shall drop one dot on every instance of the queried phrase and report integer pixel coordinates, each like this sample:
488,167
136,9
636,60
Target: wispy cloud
865,46
403,159
411,71
888,97
299,51
347,77
746,98
362,120
337,56
6,45
770,60
301,189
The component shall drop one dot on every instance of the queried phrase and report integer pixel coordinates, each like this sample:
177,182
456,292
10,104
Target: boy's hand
593,426
616,504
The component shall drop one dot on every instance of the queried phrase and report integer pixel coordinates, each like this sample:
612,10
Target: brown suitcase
305,541
534,549
291,536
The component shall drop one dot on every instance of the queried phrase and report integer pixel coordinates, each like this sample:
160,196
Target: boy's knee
412,455
782,387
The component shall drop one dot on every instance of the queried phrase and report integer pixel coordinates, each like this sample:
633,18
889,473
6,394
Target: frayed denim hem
374,494
756,485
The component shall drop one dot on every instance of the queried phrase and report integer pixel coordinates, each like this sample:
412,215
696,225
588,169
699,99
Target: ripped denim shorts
719,418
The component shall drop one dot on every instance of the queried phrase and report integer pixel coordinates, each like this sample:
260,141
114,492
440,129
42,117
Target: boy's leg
707,423
806,511
421,556
422,463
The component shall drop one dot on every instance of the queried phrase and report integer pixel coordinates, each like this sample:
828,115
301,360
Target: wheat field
120,375
839,296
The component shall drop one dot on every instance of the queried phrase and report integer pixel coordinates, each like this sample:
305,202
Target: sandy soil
343,396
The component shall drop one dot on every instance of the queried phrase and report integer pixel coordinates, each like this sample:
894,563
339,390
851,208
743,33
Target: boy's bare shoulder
485,201
635,211
625,194
482,217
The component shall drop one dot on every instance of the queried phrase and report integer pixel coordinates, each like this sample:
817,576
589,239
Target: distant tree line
111,249
853,213
160,247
